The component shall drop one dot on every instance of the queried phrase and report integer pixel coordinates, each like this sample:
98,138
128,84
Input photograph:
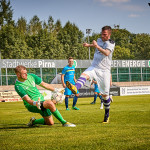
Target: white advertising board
137,90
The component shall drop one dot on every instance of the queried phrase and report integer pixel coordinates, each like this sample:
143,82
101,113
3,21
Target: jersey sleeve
37,79
21,92
64,71
110,45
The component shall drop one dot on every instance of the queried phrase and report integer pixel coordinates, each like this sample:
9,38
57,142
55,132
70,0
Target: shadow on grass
14,126
22,126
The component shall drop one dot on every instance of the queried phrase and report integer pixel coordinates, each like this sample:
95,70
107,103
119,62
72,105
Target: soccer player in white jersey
100,69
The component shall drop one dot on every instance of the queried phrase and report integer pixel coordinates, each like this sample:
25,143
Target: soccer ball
58,97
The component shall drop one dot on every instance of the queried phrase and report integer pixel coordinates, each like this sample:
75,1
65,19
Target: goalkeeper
25,86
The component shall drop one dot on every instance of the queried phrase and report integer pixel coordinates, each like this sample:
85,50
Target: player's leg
75,101
34,121
51,106
107,102
101,99
48,120
67,93
105,95
43,121
86,75
95,97
46,114
81,81
103,81
66,101
47,109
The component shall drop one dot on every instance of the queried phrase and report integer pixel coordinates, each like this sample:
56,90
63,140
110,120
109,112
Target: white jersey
101,61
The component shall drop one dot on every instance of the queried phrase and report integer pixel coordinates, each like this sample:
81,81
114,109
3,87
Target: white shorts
101,76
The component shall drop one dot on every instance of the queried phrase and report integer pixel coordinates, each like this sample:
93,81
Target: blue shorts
96,89
68,92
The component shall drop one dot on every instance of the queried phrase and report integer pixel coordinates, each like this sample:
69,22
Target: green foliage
6,13
121,37
121,53
35,26
22,25
142,44
71,38
13,45
128,128
49,40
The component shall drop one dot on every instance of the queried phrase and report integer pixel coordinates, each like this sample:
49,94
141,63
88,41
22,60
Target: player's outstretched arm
106,52
47,86
88,45
51,88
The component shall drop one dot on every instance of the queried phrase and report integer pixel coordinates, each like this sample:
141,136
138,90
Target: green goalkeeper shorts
34,109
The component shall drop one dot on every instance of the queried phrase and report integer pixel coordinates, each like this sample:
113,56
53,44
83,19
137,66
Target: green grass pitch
129,127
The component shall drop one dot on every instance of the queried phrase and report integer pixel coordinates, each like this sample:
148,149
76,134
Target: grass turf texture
129,126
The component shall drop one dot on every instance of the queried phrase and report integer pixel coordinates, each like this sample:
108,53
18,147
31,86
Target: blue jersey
69,73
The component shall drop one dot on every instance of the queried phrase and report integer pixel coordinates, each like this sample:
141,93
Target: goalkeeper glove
37,104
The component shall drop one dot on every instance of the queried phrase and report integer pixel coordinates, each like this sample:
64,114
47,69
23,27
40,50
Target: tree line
50,40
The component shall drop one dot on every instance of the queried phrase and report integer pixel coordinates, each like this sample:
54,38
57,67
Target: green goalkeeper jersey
28,87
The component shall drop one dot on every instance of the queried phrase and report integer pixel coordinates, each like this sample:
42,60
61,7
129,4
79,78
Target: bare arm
88,45
106,52
62,80
75,79
47,86
28,99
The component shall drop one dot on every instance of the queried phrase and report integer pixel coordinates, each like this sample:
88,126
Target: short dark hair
106,28
19,68
70,58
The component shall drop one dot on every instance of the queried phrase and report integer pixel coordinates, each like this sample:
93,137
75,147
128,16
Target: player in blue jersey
68,74
97,93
